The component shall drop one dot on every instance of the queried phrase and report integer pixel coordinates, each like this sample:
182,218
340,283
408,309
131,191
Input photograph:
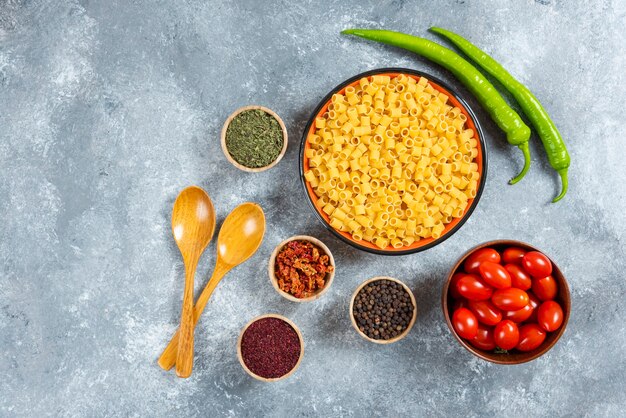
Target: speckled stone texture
109,108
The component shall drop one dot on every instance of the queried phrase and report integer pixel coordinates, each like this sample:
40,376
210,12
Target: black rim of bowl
457,96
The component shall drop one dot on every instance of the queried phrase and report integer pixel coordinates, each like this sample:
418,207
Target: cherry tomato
484,338
534,302
537,264
513,255
478,256
519,278
531,336
470,287
494,275
485,312
519,315
510,299
465,323
460,303
453,290
545,288
549,315
506,334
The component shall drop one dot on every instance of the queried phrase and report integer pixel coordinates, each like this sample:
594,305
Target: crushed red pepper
270,348
301,268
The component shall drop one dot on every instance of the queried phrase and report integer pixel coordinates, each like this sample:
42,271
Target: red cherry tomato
545,288
550,315
513,255
452,287
519,278
484,254
531,336
465,323
506,334
470,287
537,264
519,315
485,312
534,302
494,275
460,303
484,338
510,299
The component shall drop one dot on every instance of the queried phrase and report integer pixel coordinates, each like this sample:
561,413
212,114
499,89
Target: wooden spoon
240,236
193,224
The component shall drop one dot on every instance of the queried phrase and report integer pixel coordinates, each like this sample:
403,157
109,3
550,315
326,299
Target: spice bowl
272,355
328,279
515,356
228,155
411,321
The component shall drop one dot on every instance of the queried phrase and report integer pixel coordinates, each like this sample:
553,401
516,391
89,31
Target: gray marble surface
109,108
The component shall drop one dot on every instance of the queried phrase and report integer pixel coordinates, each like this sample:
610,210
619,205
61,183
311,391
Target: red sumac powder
270,348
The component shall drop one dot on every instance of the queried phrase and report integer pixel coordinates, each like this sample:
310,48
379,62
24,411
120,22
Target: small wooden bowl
274,379
243,167
396,338
272,263
516,357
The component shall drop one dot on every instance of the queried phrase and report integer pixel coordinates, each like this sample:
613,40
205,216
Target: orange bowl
481,159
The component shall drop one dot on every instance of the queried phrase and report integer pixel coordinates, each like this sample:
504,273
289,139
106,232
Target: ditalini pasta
391,162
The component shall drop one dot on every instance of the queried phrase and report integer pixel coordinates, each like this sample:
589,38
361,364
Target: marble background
109,108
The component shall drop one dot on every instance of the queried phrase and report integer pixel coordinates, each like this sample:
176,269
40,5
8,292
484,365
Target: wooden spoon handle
167,360
184,360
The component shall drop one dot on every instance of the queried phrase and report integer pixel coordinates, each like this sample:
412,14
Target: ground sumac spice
270,348
301,268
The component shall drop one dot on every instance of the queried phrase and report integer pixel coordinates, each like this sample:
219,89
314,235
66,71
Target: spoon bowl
193,220
241,234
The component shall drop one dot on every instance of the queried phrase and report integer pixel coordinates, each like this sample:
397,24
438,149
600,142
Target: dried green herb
499,350
254,138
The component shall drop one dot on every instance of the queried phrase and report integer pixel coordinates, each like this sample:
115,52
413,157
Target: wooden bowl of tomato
506,302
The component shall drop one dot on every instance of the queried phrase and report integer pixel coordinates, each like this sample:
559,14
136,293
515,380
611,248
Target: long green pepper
517,132
548,133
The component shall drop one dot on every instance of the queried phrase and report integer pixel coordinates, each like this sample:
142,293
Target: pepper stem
526,151
563,174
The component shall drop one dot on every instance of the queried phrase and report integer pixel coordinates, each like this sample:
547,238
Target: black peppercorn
388,304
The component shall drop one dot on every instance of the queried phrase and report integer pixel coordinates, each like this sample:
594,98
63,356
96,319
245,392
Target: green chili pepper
517,132
550,137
